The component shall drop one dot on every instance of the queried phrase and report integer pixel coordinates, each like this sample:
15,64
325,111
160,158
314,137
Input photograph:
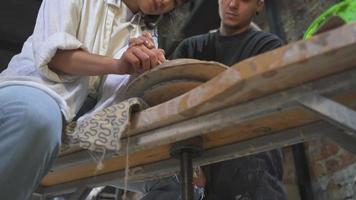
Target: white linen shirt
101,27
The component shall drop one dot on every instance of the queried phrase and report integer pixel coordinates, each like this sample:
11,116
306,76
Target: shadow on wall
5,57
17,21
197,17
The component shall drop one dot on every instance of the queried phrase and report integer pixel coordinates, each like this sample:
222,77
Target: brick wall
332,169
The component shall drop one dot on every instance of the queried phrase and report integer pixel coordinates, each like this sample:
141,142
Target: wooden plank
255,128
286,119
283,68
109,165
270,124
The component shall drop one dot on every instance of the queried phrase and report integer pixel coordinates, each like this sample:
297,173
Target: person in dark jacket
256,177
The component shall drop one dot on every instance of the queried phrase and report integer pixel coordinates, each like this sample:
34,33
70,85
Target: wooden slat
286,119
110,165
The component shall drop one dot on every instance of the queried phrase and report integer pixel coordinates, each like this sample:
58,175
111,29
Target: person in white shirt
78,48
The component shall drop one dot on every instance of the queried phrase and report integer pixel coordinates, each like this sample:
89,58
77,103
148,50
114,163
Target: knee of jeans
43,126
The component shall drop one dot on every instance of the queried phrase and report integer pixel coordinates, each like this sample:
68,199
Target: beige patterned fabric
102,130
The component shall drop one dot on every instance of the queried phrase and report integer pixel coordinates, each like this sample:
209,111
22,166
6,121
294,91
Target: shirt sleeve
271,43
199,47
56,28
181,51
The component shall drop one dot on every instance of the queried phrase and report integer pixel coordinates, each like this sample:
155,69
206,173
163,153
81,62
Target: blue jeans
30,135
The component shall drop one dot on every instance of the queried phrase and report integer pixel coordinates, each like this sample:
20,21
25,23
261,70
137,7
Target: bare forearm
79,62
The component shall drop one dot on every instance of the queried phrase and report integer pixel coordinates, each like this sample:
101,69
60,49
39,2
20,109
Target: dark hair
152,21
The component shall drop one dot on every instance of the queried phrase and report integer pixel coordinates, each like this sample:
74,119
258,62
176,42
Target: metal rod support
186,169
187,150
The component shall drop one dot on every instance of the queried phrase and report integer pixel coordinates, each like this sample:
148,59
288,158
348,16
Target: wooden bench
293,94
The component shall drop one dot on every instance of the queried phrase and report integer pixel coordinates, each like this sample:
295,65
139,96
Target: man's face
158,7
235,14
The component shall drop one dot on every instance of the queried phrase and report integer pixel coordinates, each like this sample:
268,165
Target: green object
345,9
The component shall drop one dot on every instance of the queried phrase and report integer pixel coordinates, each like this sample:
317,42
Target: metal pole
185,151
186,168
302,172
274,18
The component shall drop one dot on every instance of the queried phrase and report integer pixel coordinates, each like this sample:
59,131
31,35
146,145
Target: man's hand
141,56
145,39
138,59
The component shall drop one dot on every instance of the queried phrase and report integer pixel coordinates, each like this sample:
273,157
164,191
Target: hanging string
127,169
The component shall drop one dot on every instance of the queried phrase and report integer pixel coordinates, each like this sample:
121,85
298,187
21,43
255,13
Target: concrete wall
297,15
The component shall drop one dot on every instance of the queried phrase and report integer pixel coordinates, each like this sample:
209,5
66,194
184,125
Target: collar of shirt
116,3
134,19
